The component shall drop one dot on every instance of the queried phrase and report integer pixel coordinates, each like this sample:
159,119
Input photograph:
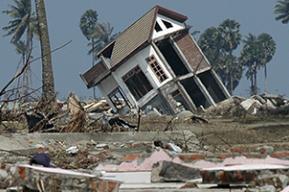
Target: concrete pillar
204,90
188,99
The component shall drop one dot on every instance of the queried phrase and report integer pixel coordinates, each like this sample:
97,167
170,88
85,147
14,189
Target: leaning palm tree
22,23
48,91
282,11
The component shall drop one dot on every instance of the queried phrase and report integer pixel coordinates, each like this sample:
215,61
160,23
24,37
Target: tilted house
156,62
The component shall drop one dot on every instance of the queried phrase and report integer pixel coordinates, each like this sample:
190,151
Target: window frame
137,82
157,68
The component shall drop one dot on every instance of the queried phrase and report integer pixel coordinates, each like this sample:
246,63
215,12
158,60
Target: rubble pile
158,148
264,104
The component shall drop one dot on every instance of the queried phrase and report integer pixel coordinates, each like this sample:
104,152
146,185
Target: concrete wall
106,87
139,60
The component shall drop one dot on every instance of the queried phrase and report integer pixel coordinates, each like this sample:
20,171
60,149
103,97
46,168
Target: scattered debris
168,171
72,150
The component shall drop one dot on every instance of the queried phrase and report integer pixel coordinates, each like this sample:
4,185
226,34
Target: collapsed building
156,62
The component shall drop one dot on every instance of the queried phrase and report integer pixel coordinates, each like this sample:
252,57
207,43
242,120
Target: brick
237,150
191,52
280,154
131,157
223,156
191,157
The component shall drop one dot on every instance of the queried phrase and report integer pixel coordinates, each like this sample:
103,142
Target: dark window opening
157,27
178,97
167,24
172,58
118,99
157,69
137,83
212,86
195,93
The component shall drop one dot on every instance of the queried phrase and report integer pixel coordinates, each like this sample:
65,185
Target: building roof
95,74
129,41
139,33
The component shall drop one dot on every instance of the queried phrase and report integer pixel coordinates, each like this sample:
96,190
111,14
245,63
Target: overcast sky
255,16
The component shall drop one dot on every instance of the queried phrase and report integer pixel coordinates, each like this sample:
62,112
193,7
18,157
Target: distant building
156,62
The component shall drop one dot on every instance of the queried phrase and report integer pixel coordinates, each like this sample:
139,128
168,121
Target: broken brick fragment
187,157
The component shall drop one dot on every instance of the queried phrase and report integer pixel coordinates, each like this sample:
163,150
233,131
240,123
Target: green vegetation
22,27
99,34
256,53
282,11
220,45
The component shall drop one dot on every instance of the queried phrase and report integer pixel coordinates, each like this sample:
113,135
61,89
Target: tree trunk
266,81
93,63
252,85
48,92
255,82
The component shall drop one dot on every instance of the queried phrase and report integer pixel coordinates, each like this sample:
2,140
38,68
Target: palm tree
211,44
249,55
24,82
218,44
23,23
103,35
256,53
88,23
268,45
231,38
48,91
282,11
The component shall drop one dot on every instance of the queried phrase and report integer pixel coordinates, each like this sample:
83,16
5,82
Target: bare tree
48,91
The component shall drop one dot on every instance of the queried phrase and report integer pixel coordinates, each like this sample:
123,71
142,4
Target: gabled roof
139,33
128,42
95,74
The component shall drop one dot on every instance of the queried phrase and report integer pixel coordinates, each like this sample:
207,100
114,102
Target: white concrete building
156,62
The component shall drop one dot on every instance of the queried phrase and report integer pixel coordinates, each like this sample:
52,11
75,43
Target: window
137,83
157,27
118,99
167,24
159,72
